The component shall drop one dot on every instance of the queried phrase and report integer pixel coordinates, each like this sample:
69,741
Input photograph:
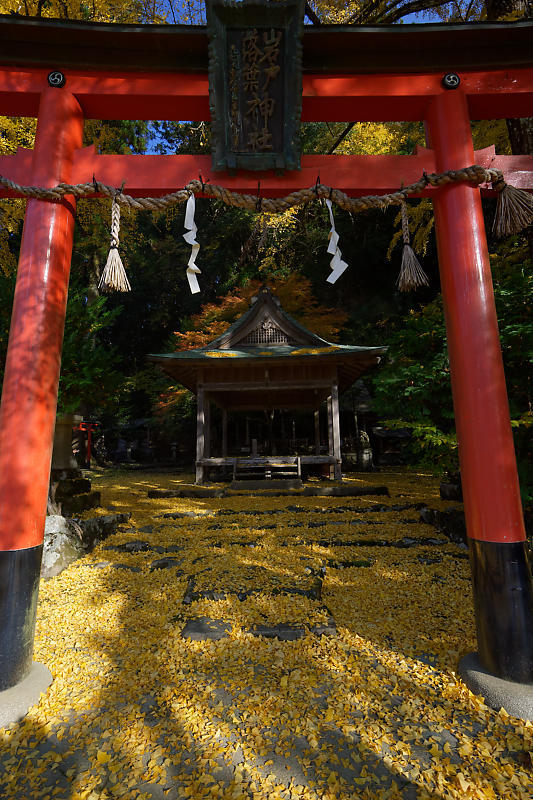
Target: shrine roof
188,367
268,334
265,304
327,48
270,352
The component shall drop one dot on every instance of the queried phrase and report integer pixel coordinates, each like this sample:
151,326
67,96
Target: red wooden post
90,428
503,593
27,413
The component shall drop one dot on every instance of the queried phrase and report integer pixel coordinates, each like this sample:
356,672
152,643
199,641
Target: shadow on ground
373,711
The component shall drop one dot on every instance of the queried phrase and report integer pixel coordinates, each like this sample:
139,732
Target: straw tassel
514,210
411,276
114,276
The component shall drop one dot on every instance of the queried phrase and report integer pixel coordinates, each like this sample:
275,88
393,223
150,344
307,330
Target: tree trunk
521,135
520,130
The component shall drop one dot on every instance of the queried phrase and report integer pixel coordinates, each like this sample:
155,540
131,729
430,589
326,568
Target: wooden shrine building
267,361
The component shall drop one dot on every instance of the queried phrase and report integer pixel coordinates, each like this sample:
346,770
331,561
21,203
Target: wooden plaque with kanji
255,83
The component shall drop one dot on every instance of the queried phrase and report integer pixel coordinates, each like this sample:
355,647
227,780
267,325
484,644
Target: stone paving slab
269,489
15,701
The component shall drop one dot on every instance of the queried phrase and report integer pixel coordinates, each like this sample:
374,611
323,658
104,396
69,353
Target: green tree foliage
90,376
514,304
89,372
414,386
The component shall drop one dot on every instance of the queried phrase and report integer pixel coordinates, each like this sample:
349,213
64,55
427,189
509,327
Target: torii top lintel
359,73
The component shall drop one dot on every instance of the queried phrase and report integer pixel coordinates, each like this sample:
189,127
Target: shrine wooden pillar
329,408
207,425
28,410
503,593
224,432
200,432
317,431
334,434
337,467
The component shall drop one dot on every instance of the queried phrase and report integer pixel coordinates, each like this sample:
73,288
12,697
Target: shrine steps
286,484
261,469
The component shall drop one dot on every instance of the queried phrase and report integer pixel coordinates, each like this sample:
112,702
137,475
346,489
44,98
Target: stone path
250,648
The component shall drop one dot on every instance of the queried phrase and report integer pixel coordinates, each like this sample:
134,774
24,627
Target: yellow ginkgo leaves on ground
376,711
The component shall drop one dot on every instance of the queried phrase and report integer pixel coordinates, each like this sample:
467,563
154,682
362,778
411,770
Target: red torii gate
338,85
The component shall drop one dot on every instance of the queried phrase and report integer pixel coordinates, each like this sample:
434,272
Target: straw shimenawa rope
513,213
474,175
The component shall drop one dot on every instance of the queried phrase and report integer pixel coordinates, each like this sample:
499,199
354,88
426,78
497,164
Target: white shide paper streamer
190,238
337,264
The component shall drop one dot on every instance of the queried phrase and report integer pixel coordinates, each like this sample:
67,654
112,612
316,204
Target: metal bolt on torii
503,594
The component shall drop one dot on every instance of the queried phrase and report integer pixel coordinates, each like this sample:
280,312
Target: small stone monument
69,492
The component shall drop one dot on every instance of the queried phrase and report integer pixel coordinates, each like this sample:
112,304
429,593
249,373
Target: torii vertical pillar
28,410
501,575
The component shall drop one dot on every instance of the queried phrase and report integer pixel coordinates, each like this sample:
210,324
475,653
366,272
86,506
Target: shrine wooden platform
265,467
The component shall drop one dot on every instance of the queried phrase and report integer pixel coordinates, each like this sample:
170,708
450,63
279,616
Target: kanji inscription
255,84
256,89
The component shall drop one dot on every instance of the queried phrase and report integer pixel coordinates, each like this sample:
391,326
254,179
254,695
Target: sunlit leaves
235,718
